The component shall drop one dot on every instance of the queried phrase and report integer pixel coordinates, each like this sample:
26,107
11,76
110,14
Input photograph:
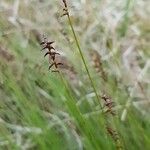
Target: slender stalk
118,142
83,59
66,12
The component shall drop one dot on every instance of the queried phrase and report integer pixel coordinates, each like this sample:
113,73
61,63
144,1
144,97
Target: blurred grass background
35,109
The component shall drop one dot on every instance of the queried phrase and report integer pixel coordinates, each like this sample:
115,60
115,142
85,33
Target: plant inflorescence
108,108
51,51
109,105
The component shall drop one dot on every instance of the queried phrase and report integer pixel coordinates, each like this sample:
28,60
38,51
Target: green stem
83,59
76,113
87,70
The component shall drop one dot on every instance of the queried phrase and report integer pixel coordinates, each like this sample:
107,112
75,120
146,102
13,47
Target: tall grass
44,110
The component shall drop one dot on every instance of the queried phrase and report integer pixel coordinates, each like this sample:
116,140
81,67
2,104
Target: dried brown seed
65,3
51,53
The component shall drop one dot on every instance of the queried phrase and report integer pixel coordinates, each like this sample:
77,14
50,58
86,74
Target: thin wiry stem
117,142
83,59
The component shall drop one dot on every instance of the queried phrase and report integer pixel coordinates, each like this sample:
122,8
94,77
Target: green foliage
47,111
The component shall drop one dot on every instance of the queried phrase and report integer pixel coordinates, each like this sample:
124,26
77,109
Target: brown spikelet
65,3
97,64
51,52
58,63
65,9
112,133
108,105
109,110
115,136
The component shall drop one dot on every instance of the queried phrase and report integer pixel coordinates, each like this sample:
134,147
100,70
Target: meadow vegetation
97,98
